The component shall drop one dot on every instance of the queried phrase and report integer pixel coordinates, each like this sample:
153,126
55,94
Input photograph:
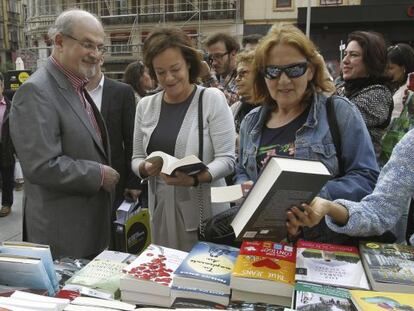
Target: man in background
222,50
63,146
7,161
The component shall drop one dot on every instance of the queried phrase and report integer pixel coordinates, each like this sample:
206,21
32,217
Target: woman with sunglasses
169,121
365,82
289,79
400,64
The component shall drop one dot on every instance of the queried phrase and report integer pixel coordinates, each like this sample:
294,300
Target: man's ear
58,41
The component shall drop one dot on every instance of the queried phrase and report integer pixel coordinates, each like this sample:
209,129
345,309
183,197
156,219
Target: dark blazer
7,149
118,111
61,156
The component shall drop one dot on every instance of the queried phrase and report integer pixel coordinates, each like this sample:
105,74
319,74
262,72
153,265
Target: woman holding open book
168,121
290,79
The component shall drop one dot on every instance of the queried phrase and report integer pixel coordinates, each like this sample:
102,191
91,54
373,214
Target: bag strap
201,230
336,136
200,125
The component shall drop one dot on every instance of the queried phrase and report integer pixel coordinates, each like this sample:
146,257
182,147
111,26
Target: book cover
152,271
189,164
330,264
389,267
265,267
102,274
283,182
380,301
24,271
310,296
208,266
33,250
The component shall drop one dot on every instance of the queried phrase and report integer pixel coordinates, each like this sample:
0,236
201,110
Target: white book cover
152,270
60,302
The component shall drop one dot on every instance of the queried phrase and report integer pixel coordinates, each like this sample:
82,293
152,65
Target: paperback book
208,266
389,267
265,267
380,301
330,264
309,297
190,164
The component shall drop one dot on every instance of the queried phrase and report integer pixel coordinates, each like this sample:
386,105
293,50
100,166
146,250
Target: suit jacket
7,149
61,156
118,111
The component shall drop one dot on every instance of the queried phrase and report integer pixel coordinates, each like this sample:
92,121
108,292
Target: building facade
11,30
128,22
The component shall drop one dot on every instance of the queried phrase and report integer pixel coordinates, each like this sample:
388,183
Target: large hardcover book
389,267
265,267
30,272
197,293
380,301
283,183
330,264
33,250
102,274
310,296
152,271
208,266
259,298
190,164
145,299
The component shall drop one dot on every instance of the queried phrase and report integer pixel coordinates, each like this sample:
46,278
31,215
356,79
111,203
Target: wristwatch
196,181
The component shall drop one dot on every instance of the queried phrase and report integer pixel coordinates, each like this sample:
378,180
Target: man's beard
88,72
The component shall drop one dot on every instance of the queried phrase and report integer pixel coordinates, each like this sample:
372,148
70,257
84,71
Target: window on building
120,44
281,4
121,7
331,2
46,7
92,7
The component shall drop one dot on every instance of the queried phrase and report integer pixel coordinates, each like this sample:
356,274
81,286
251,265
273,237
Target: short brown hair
293,36
230,42
245,57
164,38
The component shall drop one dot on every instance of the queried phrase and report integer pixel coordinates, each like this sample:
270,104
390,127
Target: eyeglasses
217,56
89,45
292,71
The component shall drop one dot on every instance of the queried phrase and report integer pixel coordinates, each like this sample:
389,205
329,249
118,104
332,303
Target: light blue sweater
381,210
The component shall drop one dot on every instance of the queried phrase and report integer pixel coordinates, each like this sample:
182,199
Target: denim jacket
314,141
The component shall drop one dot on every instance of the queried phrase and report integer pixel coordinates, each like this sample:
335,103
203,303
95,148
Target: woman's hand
150,169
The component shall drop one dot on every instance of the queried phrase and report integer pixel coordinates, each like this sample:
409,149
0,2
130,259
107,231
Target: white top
96,93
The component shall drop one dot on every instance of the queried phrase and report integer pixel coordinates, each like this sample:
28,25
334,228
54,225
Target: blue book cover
208,266
24,271
33,250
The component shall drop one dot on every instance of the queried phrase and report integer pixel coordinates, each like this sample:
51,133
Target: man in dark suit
63,146
116,102
6,154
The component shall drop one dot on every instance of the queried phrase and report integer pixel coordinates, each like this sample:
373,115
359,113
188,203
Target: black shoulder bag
217,229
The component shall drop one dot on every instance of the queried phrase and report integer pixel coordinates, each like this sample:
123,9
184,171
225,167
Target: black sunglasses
292,71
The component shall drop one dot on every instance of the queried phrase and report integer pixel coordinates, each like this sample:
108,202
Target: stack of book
264,272
147,280
205,273
100,277
28,301
27,265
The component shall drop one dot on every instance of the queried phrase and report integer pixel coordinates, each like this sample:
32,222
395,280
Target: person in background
250,42
63,146
289,80
400,64
138,77
243,106
222,50
376,213
116,102
365,82
7,161
168,122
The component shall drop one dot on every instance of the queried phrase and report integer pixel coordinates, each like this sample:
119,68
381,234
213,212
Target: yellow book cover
267,261
381,301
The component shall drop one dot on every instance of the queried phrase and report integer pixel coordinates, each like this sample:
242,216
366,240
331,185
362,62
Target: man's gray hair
66,20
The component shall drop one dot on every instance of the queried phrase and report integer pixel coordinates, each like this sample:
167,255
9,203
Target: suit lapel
73,100
106,98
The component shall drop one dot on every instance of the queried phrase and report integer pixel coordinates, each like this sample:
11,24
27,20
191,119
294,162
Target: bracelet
196,181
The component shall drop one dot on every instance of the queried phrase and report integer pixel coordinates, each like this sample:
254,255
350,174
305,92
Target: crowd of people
86,137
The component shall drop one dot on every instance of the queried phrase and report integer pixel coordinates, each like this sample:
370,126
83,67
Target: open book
283,183
190,165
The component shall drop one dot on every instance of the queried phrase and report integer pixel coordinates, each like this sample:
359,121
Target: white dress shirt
96,93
